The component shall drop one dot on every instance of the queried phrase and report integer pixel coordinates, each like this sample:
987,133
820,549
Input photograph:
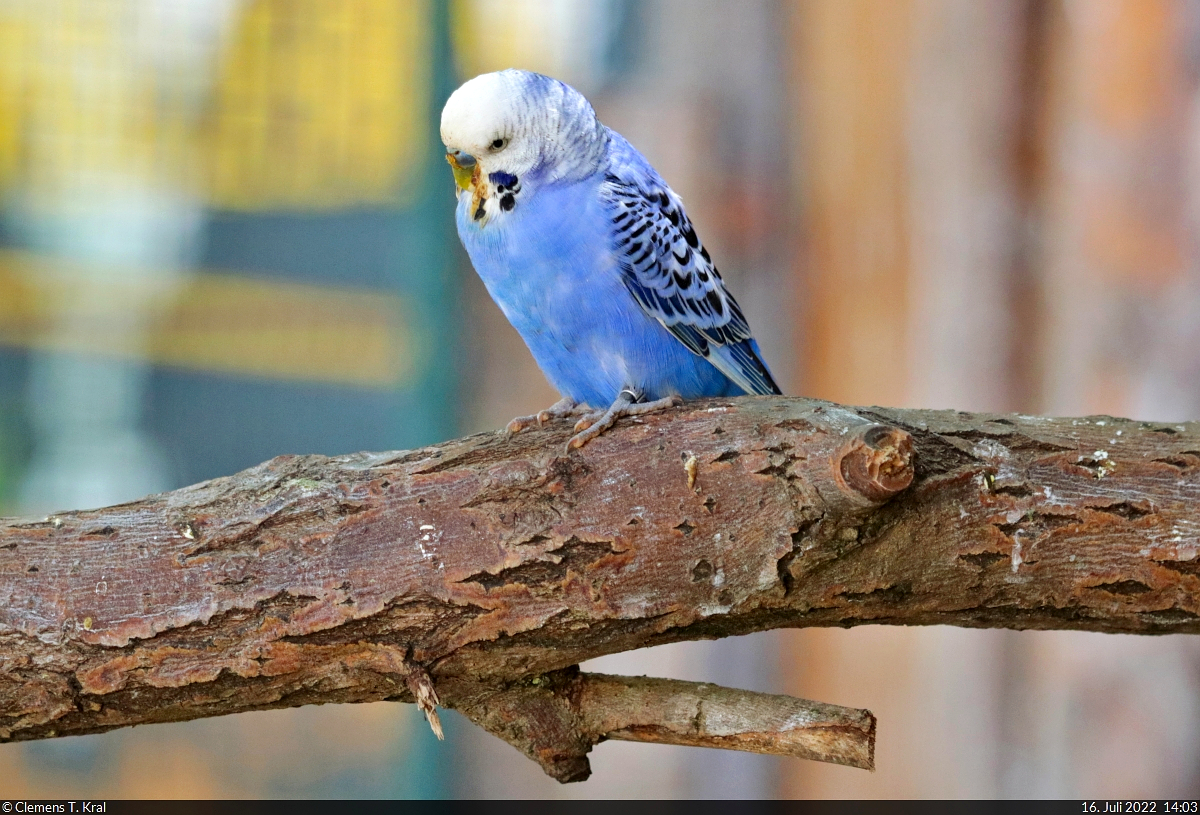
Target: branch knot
874,464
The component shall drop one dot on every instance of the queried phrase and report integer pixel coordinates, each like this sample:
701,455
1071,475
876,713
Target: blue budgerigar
591,256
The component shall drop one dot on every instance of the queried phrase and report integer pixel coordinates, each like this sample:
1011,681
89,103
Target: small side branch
558,718
695,714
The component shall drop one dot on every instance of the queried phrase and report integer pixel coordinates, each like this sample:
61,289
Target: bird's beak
463,165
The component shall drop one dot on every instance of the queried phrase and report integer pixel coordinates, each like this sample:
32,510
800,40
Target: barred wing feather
669,273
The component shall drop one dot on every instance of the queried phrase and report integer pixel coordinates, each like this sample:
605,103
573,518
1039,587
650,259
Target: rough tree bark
477,573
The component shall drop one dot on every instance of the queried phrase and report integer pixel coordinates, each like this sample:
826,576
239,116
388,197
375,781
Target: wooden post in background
851,75
850,80
1117,272
995,201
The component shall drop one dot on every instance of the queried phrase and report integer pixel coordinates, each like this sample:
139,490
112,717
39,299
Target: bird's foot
562,408
593,424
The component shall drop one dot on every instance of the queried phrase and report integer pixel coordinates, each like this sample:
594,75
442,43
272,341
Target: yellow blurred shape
220,323
559,38
307,104
13,45
321,103
81,99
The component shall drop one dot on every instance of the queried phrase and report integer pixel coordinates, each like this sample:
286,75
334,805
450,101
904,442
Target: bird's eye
498,144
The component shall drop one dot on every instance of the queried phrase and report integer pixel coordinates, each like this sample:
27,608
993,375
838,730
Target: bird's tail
754,375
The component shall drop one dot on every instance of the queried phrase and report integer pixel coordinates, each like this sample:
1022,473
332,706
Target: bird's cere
591,256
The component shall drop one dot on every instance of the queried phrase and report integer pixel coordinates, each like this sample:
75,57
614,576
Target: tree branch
485,568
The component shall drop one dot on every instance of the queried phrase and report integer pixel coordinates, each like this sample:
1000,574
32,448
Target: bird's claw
521,423
594,424
561,408
588,420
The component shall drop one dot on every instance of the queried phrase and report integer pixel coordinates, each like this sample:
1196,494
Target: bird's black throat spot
507,202
479,211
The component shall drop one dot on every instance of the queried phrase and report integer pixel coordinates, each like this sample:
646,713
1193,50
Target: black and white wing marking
669,273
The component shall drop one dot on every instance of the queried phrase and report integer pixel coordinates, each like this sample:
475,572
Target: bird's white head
508,132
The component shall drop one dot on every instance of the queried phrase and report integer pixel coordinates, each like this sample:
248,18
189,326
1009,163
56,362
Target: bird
591,256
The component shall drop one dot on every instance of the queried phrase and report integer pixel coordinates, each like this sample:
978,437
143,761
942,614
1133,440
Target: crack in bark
550,569
983,560
1124,587
899,593
1129,510
1188,567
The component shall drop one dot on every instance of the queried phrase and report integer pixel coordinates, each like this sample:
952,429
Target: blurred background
226,234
